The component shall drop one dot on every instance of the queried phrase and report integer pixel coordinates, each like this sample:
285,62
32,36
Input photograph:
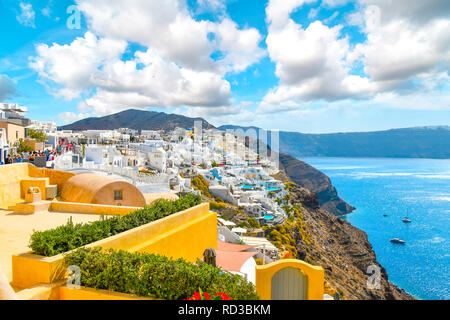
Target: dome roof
95,189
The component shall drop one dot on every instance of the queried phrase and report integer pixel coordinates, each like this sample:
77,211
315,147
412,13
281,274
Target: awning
239,230
232,261
231,247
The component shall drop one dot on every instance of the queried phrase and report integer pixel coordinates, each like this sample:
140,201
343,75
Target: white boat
406,220
397,240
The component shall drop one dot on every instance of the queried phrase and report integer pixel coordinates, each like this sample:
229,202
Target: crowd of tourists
30,156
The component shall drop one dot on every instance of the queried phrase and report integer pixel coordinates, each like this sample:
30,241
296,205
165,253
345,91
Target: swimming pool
268,217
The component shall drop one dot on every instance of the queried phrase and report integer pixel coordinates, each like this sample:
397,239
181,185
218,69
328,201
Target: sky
295,65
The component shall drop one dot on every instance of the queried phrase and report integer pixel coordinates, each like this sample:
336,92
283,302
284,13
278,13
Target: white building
151,134
4,146
46,127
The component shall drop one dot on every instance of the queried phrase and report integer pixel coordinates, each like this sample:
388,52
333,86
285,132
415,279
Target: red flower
223,296
205,296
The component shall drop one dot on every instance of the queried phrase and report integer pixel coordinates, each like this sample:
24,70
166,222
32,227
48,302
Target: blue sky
296,65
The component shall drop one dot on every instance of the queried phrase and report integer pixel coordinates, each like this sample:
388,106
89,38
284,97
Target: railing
128,172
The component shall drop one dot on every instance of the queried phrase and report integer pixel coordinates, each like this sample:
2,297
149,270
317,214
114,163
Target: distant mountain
136,119
419,142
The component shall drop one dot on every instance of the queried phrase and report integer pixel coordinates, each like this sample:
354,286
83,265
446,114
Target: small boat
397,240
406,220
385,215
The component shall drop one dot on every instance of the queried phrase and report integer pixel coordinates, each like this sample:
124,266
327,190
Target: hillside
136,119
317,236
344,251
314,180
420,142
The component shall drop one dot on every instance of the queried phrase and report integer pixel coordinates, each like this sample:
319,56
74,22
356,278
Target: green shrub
199,183
217,205
149,275
71,236
253,223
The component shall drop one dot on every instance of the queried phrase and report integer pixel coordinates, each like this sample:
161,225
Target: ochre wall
314,274
84,293
11,176
185,234
99,209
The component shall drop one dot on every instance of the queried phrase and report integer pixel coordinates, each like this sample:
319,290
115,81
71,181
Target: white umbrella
239,230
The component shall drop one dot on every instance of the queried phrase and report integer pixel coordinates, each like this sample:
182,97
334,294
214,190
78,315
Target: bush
217,205
199,183
149,275
71,236
253,223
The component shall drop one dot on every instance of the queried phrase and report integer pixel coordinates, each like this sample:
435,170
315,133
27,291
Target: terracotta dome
95,189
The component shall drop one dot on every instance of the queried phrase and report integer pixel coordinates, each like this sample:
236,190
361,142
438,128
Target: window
17,134
118,195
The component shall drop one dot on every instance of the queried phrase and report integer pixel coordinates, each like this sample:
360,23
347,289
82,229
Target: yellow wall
72,207
84,293
40,183
184,234
314,274
29,270
11,176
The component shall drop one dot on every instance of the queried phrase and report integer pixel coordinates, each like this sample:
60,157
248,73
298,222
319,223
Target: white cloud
7,88
173,69
27,15
400,55
74,67
168,27
398,49
211,6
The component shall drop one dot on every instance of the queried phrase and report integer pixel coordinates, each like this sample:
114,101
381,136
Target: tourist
8,159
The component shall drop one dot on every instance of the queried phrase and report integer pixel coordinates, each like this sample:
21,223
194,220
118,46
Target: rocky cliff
343,250
314,180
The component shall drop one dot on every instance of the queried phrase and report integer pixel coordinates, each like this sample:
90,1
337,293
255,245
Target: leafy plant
71,236
150,275
23,147
37,135
199,183
253,223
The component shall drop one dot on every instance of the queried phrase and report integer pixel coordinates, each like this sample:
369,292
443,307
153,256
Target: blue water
417,188
268,217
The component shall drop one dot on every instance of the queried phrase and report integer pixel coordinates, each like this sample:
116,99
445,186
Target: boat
406,220
397,240
385,215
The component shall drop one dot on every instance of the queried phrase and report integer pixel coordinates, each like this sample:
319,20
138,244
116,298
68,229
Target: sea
415,188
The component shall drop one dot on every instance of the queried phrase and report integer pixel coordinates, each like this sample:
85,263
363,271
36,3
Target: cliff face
312,179
340,248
